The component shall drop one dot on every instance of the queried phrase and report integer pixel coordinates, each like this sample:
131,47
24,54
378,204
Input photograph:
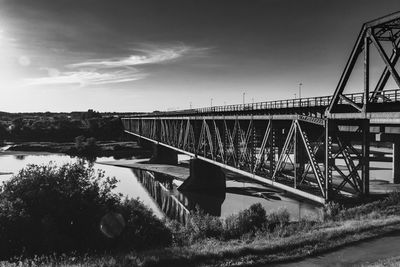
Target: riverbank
391,262
103,149
277,243
287,242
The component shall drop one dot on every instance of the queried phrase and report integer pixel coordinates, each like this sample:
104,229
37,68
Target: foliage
53,209
330,211
249,220
143,230
278,218
84,146
61,128
202,226
393,198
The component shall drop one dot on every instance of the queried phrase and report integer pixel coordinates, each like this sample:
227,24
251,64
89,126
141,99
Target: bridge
318,148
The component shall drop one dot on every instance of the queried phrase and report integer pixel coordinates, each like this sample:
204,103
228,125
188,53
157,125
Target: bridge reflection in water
159,186
240,194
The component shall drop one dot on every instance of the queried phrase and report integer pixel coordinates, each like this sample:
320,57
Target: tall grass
253,236
248,222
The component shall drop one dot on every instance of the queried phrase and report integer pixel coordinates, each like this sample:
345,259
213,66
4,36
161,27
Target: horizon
142,56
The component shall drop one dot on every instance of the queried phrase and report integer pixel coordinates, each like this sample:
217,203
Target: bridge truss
296,153
315,147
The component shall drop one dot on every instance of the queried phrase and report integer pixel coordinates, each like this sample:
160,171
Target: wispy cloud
115,70
83,78
142,57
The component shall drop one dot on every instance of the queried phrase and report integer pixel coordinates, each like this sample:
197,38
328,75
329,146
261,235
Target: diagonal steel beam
311,157
219,141
385,58
209,138
386,73
348,69
351,102
263,145
285,147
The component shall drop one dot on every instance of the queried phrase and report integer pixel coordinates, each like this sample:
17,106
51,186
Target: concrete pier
204,178
163,155
396,162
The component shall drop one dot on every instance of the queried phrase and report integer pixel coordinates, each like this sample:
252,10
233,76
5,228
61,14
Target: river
241,192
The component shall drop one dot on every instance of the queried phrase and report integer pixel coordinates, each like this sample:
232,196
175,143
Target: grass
257,238
391,262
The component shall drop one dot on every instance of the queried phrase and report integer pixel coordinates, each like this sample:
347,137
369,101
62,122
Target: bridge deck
386,100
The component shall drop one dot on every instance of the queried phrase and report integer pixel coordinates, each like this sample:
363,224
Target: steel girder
384,35
309,155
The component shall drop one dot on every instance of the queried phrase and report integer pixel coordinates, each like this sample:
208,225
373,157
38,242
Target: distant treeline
59,127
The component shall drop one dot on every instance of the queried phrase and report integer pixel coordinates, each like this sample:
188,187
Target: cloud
86,78
142,57
115,70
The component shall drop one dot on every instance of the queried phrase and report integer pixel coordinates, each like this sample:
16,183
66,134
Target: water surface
241,192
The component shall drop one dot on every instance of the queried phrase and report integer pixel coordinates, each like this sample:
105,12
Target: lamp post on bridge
300,84
244,96
211,102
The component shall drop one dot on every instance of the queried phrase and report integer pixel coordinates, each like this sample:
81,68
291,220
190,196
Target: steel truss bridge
318,147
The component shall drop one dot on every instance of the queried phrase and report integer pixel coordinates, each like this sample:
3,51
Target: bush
246,221
330,211
278,218
46,209
393,198
201,225
85,147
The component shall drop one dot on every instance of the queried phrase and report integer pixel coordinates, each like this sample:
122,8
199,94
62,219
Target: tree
46,209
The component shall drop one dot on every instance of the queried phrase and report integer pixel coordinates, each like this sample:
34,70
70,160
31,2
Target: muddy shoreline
103,149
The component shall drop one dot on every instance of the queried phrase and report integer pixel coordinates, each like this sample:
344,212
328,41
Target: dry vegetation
253,237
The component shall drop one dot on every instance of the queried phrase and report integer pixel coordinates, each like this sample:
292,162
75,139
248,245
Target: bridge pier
204,178
144,143
163,155
396,162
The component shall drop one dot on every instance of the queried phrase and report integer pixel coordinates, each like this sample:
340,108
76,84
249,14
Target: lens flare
112,224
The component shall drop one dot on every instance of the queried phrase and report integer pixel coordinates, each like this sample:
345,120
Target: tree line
60,127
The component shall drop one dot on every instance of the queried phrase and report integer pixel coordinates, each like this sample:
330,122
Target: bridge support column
204,178
144,143
163,155
396,162
365,154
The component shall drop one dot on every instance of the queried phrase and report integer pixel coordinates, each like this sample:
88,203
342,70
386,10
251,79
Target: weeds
254,237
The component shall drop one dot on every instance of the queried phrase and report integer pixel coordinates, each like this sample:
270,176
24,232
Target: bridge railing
319,101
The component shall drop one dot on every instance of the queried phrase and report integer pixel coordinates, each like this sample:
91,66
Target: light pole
211,102
190,105
244,96
300,84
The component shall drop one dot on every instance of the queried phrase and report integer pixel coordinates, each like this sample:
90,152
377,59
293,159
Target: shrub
393,198
201,225
46,209
280,217
244,224
246,221
330,211
143,230
84,146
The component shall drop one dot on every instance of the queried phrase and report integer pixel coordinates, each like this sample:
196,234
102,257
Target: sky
145,55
